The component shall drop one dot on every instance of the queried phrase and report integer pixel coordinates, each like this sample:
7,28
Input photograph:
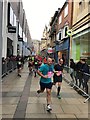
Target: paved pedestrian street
19,99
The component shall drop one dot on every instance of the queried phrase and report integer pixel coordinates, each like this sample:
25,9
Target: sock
58,90
47,104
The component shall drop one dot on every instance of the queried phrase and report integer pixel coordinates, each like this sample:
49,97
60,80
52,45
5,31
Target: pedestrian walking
45,71
30,66
36,67
19,65
58,76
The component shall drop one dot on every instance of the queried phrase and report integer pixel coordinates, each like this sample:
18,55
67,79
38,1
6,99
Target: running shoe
38,93
59,96
49,108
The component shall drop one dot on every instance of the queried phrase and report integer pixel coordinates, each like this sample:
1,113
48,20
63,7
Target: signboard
69,32
50,50
11,29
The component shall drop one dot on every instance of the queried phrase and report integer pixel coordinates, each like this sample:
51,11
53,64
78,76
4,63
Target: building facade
81,30
63,41
15,32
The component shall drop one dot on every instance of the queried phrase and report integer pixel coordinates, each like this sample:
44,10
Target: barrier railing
78,80
8,66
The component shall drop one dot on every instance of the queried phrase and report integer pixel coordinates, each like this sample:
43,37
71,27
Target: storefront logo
69,32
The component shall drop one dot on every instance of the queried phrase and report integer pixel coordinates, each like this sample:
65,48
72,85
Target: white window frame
66,11
60,19
64,31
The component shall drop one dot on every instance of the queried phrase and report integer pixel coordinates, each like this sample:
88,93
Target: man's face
49,61
61,61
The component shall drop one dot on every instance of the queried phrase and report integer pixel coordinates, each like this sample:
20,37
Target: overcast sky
39,13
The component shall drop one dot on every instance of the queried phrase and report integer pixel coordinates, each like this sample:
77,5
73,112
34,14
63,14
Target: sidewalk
20,100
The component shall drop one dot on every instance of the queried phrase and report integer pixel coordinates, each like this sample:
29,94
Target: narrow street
19,99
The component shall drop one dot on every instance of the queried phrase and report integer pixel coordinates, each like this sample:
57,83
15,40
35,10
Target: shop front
80,46
62,51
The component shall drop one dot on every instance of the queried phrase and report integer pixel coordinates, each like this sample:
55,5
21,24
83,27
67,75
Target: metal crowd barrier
72,82
8,66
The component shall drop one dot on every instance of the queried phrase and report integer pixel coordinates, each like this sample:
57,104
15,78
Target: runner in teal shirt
45,71
45,68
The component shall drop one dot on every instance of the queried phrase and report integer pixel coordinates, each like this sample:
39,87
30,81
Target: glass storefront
80,47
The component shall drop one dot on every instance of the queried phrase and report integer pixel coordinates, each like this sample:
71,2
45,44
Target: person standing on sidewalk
85,71
46,71
72,70
58,76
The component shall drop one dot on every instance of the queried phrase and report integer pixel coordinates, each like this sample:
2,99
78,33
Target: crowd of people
80,71
51,74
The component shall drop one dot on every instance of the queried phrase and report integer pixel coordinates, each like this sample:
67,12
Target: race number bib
59,73
50,74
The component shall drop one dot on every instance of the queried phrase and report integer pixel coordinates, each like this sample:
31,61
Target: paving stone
8,109
43,115
37,100
72,101
20,114
7,116
65,116
13,94
10,100
70,109
59,101
82,115
83,108
22,106
35,108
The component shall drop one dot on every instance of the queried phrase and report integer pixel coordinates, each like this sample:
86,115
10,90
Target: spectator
79,73
85,70
72,69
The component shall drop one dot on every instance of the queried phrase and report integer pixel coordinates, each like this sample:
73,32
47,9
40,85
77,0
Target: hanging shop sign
69,32
11,29
50,50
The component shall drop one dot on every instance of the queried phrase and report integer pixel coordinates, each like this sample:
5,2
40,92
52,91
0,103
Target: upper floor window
66,31
81,5
60,19
14,20
11,16
66,11
20,31
60,36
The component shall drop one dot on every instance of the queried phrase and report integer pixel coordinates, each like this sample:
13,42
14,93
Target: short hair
60,59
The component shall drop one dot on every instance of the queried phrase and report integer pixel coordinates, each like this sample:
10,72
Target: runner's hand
45,76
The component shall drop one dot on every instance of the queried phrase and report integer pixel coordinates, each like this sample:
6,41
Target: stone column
1,10
4,30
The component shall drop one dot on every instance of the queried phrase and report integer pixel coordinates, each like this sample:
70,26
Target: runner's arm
44,76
